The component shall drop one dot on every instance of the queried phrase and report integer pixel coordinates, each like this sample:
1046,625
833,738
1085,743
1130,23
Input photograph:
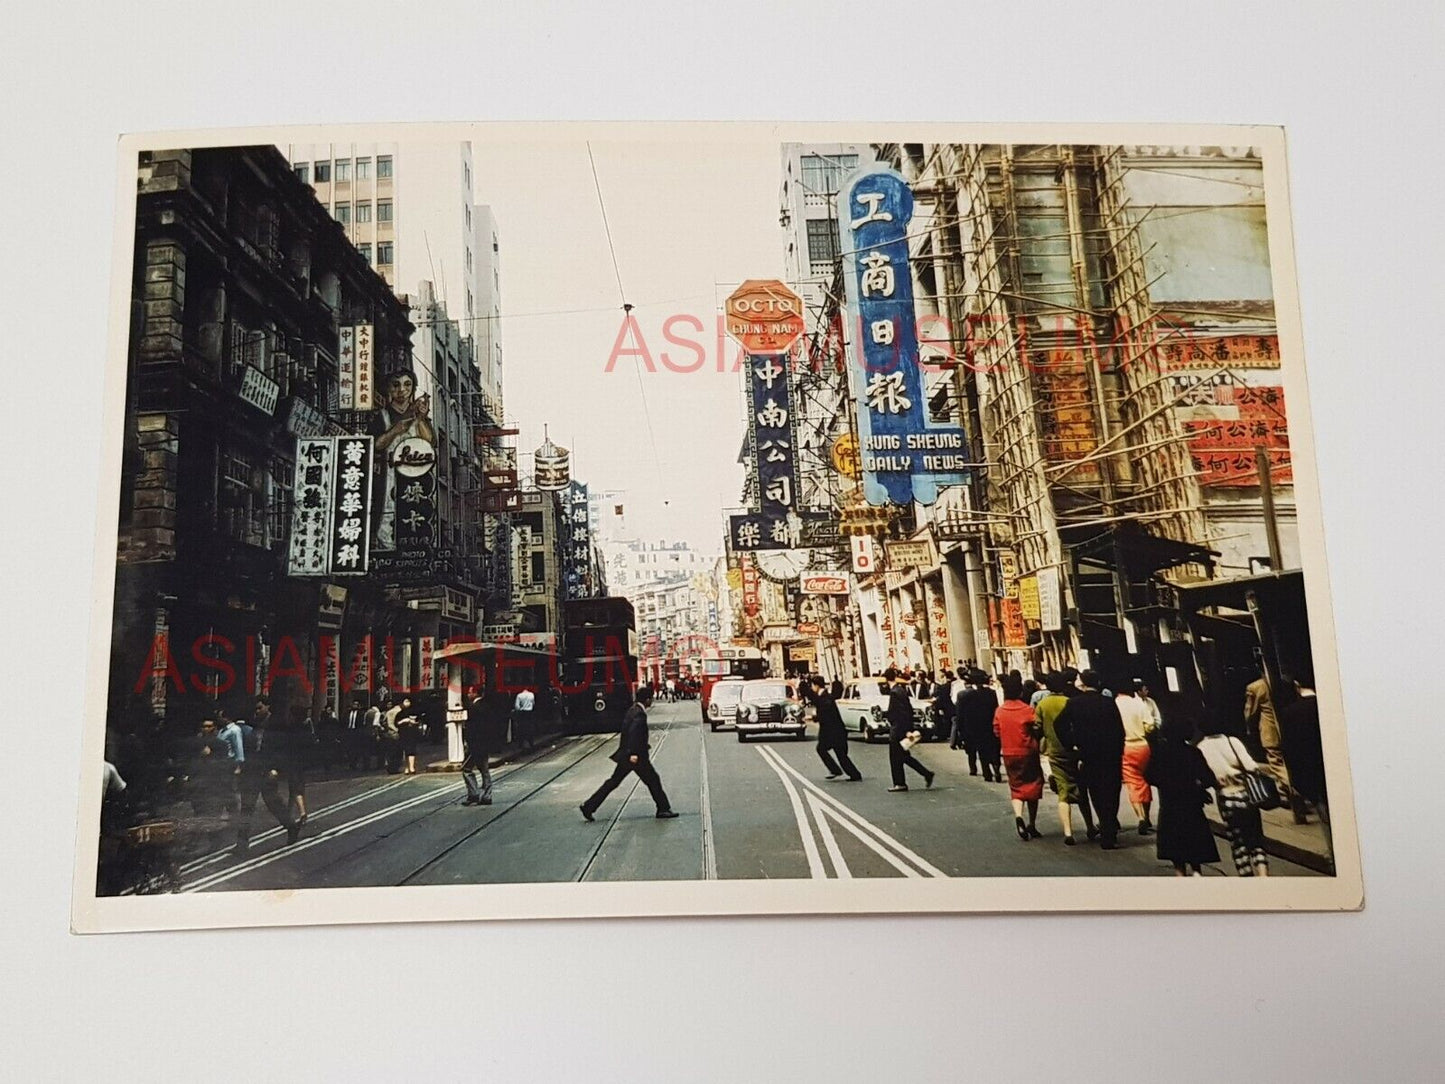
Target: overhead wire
627,316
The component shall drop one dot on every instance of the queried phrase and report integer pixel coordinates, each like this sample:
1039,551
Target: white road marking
810,846
867,840
780,765
324,837
709,844
271,833
830,842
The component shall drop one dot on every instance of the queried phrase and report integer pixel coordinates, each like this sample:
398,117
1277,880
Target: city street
760,809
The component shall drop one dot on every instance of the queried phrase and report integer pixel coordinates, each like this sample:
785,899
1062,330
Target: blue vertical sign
904,459
772,443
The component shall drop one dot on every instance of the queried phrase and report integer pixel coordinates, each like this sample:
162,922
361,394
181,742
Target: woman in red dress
1018,735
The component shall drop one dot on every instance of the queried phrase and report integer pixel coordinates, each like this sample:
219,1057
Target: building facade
410,209
246,283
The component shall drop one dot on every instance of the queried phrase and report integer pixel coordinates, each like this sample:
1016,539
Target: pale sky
684,216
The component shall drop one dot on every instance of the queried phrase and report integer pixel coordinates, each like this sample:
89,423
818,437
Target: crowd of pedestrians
1092,742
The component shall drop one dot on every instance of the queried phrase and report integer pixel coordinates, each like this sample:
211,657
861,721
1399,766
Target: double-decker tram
599,671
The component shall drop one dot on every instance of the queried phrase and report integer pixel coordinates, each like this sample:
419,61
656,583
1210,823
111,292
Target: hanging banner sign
351,506
775,523
413,462
365,368
865,553
304,420
1051,600
904,458
331,513
259,390
346,368
1029,598
313,489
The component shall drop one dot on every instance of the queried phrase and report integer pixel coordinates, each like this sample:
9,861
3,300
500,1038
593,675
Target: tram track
600,743
621,808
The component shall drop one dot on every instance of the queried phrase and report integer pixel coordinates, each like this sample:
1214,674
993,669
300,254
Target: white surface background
1282,997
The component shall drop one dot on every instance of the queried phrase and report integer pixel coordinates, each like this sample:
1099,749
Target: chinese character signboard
355,367
346,368
332,510
1223,449
313,488
365,368
577,553
259,390
351,506
904,459
774,322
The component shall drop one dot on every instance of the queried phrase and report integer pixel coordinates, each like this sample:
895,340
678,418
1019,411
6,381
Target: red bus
723,662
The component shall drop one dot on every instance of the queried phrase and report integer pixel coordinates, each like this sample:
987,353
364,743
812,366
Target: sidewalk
1305,845
547,732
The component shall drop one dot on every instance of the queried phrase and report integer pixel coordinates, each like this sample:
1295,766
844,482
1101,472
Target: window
343,213
539,567
323,172
469,259
343,170
822,240
302,171
383,167
824,176
365,251
383,252
383,210
363,212
363,169
467,207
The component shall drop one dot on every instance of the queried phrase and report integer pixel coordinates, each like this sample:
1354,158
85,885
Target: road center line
709,844
781,765
810,846
830,842
864,838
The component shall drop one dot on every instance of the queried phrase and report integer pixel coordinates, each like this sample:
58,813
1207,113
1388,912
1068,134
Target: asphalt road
760,809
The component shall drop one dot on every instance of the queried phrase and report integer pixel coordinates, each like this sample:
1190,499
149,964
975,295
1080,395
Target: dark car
770,706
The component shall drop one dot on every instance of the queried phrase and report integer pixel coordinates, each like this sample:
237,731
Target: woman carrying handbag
1231,766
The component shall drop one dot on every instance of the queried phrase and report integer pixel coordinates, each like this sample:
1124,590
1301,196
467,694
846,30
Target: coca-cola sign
824,583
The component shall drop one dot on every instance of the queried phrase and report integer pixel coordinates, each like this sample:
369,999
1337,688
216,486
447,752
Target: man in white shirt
522,709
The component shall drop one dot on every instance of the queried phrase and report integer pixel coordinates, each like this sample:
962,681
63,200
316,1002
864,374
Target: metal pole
1266,492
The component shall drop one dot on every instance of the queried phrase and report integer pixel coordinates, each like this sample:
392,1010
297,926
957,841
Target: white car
722,703
864,707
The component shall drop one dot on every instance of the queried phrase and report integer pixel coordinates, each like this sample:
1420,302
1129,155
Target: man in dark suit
976,707
480,732
900,723
832,734
1091,724
632,756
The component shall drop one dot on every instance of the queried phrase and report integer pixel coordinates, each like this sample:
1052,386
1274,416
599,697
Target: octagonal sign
765,316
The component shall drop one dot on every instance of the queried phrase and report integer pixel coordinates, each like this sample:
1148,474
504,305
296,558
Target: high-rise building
410,209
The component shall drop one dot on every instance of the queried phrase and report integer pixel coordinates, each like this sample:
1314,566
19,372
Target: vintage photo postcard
518,521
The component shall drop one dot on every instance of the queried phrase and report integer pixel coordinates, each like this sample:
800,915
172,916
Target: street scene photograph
648,504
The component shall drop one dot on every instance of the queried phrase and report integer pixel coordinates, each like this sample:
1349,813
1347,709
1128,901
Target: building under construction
1099,321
